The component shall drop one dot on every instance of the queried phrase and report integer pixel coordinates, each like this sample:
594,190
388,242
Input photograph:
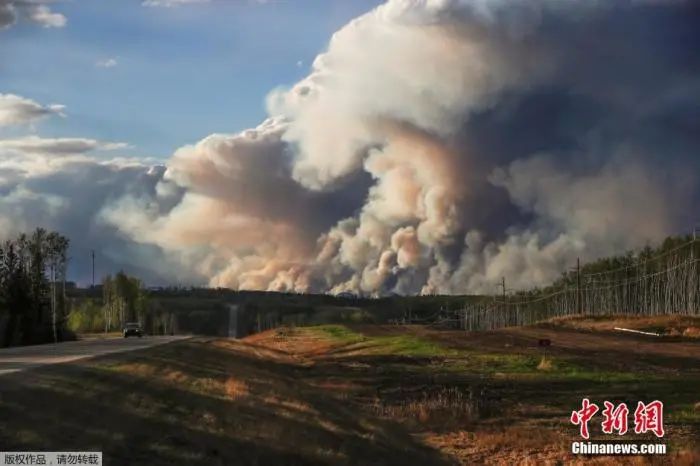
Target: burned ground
354,395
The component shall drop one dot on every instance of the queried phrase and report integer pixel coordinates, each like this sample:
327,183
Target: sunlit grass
401,345
476,362
490,363
338,333
410,345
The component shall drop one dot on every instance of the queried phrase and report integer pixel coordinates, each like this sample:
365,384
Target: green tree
30,267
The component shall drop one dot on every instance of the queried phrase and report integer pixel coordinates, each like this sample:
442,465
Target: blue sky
182,72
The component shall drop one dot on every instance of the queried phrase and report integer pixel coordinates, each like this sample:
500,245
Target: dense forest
34,306
33,301
630,266
124,299
652,281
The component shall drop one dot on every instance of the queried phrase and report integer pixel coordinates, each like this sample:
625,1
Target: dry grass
502,446
236,389
534,445
292,406
339,396
206,402
545,364
534,400
295,343
667,325
441,408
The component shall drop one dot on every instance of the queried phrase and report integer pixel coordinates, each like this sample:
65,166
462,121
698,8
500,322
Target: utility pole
578,286
53,299
93,268
503,291
503,284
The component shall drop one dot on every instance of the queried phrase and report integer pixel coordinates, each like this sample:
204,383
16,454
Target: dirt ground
359,395
605,350
529,422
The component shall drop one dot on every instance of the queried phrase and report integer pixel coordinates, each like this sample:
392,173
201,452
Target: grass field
356,395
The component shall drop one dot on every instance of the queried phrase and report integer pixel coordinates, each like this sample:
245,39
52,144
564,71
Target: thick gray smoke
438,145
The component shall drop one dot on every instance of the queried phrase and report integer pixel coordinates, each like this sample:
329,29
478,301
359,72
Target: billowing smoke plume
438,145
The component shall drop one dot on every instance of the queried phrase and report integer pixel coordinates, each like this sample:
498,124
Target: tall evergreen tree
30,267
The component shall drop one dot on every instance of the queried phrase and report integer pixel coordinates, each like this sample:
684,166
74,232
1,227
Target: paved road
25,357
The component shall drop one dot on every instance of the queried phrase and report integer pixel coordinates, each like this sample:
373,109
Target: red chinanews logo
615,418
647,418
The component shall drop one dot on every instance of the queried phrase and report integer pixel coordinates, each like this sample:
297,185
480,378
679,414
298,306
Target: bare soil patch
355,395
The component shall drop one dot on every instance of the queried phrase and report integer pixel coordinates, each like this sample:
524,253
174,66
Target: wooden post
503,286
578,286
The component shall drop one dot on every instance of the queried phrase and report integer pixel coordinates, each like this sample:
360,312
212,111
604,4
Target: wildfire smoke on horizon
435,146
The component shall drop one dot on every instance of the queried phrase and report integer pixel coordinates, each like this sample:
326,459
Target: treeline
34,306
651,281
624,269
33,303
124,299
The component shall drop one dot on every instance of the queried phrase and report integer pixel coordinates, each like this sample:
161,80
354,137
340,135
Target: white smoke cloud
67,193
238,213
435,147
390,99
57,146
406,62
16,110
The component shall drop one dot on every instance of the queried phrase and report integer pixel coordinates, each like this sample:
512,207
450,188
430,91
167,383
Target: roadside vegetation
33,303
665,326
37,303
356,394
124,299
500,387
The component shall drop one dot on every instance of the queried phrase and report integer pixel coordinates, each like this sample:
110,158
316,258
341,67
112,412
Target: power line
646,261
670,287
